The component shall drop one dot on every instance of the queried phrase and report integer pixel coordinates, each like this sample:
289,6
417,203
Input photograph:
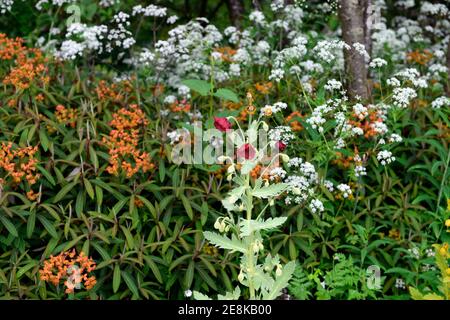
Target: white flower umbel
385,157
402,96
440,102
345,190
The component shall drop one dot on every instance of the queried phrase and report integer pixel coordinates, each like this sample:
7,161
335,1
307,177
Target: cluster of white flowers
327,49
302,183
295,162
400,283
429,8
172,19
430,252
414,252
258,18
440,102
277,5
293,54
393,82
377,63
268,110
70,50
6,5
329,185
58,3
120,37
316,206
150,11
91,36
281,133
317,120
405,4
345,190
360,171
395,138
385,157
333,84
361,49
413,76
360,111
277,173
403,96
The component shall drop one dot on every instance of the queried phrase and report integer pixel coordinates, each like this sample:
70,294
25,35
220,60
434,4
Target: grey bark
256,5
368,12
351,14
236,11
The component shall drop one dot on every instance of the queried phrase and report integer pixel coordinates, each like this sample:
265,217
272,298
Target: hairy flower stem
249,253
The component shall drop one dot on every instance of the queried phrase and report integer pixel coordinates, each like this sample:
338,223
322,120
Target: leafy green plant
344,281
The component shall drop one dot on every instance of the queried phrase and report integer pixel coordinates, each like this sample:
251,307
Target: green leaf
200,296
9,226
31,223
247,227
128,236
201,86
130,283
224,242
281,282
189,276
187,206
116,278
271,191
154,268
48,226
149,206
25,268
65,190
44,139
46,174
227,94
89,188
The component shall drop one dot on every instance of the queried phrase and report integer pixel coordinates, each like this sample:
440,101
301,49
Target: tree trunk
448,68
368,22
351,13
256,5
236,11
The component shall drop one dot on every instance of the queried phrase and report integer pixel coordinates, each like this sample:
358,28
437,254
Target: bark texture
351,14
368,13
236,11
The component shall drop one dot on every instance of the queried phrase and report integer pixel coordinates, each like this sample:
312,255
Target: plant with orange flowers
123,141
17,165
69,269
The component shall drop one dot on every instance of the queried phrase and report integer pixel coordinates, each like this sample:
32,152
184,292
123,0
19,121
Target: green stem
442,182
250,263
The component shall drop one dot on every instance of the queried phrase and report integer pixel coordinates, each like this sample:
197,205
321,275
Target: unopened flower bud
241,276
284,157
278,272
